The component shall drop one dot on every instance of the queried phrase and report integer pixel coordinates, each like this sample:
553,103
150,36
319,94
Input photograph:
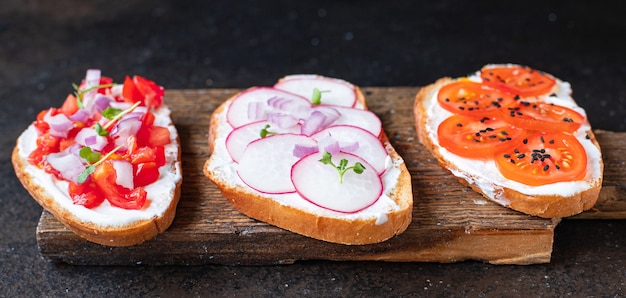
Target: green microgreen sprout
264,132
342,168
79,93
115,114
316,99
94,160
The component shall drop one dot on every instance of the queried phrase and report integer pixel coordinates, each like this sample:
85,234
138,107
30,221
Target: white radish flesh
265,164
237,114
362,118
370,148
335,91
320,183
240,137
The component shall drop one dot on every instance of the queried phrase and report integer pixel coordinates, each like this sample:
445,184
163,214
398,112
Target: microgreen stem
92,167
342,168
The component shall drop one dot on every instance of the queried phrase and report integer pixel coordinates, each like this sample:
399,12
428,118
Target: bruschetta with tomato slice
107,162
307,156
515,135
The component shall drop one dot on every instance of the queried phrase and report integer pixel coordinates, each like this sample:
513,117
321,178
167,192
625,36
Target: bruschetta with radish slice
106,163
307,156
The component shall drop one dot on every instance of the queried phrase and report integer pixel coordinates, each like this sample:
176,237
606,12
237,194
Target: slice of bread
388,216
106,224
549,201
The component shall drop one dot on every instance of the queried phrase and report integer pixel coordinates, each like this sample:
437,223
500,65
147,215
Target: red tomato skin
540,116
475,138
152,93
472,99
518,80
543,158
145,173
85,194
70,106
130,92
105,176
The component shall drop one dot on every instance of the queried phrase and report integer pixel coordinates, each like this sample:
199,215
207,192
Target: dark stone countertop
46,45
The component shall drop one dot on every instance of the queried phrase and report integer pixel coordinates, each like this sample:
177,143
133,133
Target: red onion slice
80,116
101,102
90,138
69,164
256,111
301,151
314,123
282,120
60,125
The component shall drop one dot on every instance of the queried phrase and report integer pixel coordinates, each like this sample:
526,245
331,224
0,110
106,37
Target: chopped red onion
350,147
124,128
300,151
124,173
332,148
60,125
331,114
256,111
313,124
101,102
80,116
90,138
68,164
282,120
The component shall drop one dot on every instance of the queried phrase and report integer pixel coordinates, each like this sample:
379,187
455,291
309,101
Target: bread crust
546,206
334,229
123,235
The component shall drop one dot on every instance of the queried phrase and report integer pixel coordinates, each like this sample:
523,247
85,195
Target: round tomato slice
476,138
472,99
542,117
518,80
543,158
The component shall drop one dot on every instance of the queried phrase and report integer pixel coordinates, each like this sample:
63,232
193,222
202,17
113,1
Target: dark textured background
47,45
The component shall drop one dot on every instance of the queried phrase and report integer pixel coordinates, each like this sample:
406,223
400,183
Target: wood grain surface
450,223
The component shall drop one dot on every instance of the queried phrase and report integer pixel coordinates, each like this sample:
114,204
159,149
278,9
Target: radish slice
265,164
335,91
362,118
240,137
370,148
288,103
319,183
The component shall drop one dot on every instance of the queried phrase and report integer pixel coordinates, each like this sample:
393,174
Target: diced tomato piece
159,136
130,92
145,173
42,126
85,194
153,93
143,154
105,178
70,106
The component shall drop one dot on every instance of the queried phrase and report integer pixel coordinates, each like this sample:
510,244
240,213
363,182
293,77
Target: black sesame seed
546,167
587,137
459,125
542,140
507,156
504,133
517,97
551,142
521,155
512,161
525,141
557,167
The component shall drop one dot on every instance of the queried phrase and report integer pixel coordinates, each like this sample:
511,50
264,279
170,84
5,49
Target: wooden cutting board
451,223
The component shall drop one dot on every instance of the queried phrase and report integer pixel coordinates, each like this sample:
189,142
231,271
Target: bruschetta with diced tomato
106,163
